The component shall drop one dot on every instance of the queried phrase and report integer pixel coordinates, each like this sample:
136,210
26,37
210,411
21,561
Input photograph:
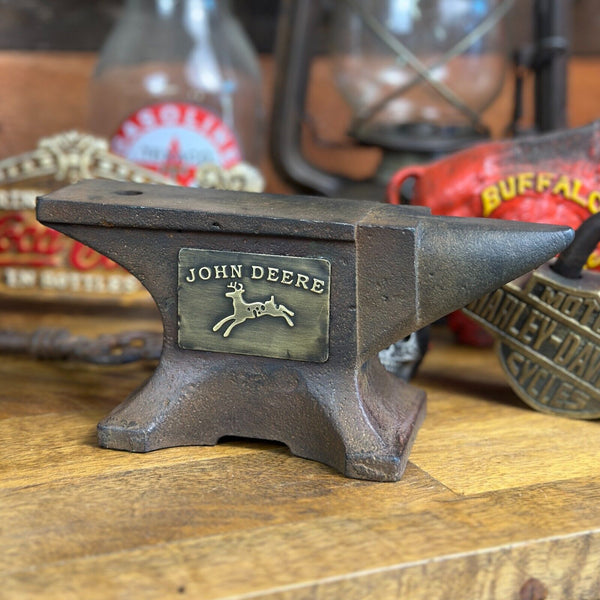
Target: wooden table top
495,495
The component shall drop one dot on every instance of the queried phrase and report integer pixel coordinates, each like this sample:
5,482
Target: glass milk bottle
177,85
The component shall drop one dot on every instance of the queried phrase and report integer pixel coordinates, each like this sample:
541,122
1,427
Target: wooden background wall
77,25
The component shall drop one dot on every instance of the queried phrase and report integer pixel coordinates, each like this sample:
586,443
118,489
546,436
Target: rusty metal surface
393,270
107,349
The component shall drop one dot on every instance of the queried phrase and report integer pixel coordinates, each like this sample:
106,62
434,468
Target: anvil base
211,397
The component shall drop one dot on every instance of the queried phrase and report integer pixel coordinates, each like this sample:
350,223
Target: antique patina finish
548,330
275,308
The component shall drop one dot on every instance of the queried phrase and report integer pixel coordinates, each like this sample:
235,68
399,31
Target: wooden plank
63,386
480,437
566,567
66,386
208,519
242,489
482,546
64,448
248,520
60,81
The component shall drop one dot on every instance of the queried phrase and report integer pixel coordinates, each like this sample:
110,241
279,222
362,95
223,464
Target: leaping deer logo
242,310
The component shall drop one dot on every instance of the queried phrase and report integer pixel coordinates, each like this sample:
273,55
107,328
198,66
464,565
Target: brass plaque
256,304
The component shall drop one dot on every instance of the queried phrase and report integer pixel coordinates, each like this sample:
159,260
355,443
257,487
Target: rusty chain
106,349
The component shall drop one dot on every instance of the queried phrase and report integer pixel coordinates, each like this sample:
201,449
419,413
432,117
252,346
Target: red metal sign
552,178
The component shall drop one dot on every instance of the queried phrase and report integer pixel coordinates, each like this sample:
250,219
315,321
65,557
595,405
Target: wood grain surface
495,494
498,502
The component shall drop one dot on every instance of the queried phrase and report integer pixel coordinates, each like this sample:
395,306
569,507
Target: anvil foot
396,411
390,467
363,426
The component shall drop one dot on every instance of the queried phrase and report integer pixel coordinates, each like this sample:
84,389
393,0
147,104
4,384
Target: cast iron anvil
274,310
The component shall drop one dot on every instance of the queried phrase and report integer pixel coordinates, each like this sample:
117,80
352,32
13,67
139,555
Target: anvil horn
460,260
446,263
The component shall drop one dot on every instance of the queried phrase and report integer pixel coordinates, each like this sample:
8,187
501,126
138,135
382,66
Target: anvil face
275,308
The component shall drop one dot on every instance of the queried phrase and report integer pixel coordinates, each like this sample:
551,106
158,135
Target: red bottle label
174,139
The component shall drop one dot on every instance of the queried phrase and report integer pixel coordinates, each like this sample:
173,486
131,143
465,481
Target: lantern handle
294,49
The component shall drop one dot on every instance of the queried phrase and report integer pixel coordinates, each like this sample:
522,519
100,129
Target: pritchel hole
128,192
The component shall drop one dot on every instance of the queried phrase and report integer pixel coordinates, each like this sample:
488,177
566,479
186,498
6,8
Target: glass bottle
177,85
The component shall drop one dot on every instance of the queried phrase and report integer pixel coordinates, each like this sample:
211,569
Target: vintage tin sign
256,304
41,264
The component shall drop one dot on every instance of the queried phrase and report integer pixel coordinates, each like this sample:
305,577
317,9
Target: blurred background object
40,265
50,47
417,76
407,72
83,26
178,85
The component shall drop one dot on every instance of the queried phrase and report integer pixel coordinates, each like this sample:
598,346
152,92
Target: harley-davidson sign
548,341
